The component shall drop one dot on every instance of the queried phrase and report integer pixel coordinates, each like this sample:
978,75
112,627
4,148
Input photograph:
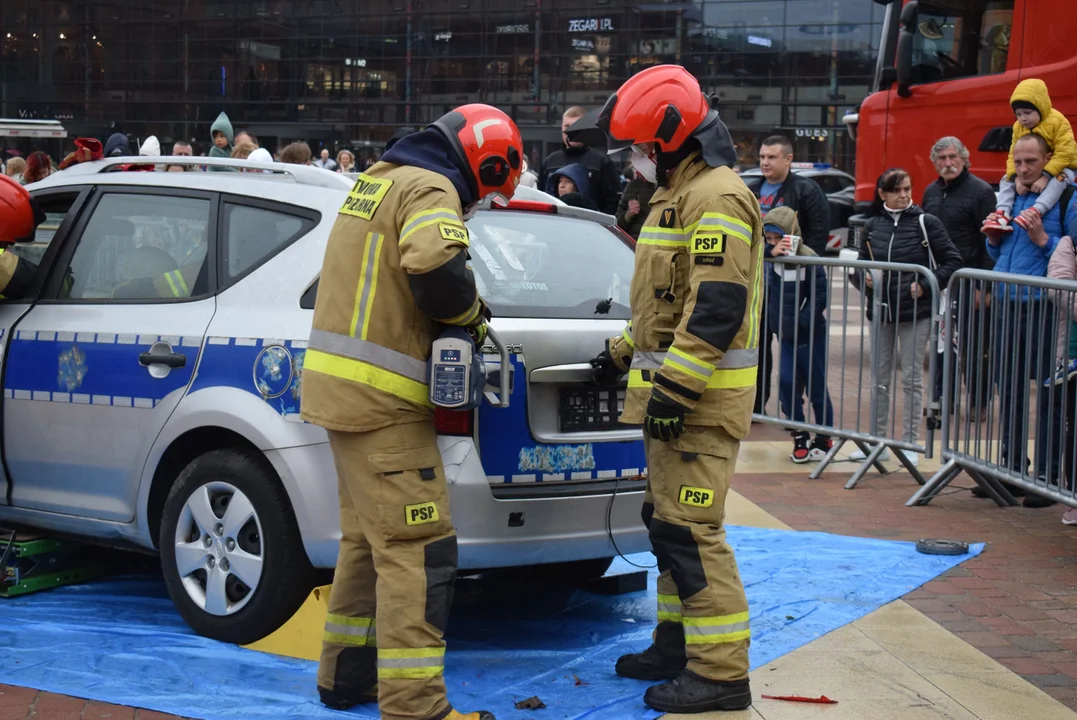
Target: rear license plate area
589,409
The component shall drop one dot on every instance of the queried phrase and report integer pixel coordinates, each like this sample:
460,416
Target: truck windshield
531,265
961,38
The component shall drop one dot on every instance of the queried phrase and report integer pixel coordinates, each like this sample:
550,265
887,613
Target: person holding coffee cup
796,310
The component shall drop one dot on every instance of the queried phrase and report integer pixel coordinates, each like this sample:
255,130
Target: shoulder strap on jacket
927,242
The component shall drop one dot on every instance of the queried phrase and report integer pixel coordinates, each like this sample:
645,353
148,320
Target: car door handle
172,359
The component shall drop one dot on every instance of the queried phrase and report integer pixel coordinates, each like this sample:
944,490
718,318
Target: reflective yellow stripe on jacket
368,284
428,217
737,369
716,222
410,663
364,362
177,284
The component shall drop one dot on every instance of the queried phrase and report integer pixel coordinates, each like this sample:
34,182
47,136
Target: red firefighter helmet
662,104
489,146
17,212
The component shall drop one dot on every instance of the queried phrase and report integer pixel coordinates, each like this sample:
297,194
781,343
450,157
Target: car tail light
532,206
454,422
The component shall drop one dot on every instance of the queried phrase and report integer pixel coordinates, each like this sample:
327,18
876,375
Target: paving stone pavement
1016,602
18,703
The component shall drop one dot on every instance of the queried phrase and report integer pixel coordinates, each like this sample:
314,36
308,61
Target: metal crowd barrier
859,378
1005,418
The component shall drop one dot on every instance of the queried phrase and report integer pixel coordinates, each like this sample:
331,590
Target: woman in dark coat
900,232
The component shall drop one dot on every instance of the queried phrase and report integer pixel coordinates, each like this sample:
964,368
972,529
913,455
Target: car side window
252,235
142,247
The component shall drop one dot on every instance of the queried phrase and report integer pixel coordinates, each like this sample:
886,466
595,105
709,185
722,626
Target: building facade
347,73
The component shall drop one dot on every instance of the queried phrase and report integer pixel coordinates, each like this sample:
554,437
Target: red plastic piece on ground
821,700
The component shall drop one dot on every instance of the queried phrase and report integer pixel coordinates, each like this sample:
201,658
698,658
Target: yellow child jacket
1053,127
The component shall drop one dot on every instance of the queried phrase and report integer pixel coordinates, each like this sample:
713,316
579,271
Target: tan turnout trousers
398,554
700,592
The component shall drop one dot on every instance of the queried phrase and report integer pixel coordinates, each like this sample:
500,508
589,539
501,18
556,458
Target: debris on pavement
821,700
580,682
531,703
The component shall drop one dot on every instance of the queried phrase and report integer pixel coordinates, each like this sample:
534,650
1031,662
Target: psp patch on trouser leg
689,480
405,516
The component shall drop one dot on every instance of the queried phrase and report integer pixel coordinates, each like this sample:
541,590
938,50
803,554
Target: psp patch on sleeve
365,197
453,233
708,244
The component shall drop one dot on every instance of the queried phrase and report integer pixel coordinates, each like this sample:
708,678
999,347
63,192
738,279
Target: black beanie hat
1023,105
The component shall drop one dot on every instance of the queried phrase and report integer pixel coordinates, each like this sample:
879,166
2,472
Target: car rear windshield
532,265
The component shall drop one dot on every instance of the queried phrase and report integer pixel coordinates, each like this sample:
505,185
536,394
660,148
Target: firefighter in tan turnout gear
690,354
394,276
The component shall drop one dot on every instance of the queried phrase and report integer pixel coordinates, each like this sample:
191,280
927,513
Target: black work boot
664,660
690,693
342,700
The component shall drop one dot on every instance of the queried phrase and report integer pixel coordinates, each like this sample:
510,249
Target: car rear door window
253,235
545,266
142,247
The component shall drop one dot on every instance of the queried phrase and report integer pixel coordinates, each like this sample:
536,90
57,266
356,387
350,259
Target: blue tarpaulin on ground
121,641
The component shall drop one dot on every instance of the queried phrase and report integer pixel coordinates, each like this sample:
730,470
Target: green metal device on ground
30,563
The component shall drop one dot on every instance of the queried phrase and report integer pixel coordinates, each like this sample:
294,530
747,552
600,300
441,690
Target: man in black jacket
959,199
601,171
782,187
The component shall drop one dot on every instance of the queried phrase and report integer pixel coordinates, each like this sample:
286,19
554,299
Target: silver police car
151,386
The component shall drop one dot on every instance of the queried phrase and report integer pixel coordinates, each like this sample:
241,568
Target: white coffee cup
794,243
849,254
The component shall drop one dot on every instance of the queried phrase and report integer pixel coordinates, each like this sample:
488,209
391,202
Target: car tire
246,574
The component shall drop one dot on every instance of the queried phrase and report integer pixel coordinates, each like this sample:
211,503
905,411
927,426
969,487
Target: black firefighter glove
604,370
665,419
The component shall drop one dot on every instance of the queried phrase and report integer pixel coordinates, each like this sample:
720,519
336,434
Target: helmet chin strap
668,161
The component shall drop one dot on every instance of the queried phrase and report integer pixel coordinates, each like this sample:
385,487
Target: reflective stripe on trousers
368,363
410,663
669,608
718,629
354,631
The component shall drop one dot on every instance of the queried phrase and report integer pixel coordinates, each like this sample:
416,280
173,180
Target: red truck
948,67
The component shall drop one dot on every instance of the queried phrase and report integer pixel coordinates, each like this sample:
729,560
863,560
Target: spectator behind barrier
900,232
635,205
796,307
781,187
1026,251
1063,266
959,199
605,186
